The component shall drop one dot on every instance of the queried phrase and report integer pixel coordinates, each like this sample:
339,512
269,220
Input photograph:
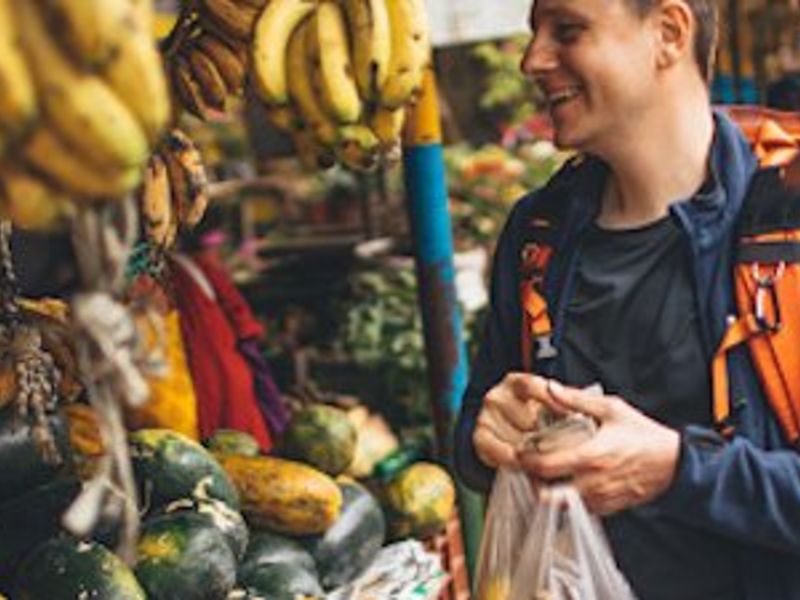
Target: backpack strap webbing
767,290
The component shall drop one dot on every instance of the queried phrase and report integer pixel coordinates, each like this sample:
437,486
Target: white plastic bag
566,555
508,517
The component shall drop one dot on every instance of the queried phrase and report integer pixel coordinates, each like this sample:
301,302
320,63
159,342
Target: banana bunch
338,74
174,193
207,54
83,98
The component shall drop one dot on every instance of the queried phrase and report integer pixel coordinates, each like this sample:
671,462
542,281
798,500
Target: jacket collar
707,216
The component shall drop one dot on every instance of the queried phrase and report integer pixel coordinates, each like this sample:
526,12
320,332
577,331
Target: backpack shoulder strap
767,284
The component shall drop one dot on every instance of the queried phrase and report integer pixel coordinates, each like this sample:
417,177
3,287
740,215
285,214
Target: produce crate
450,546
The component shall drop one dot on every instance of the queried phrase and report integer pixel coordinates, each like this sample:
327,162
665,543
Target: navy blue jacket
748,487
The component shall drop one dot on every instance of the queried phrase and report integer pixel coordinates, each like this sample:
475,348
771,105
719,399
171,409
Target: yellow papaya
283,495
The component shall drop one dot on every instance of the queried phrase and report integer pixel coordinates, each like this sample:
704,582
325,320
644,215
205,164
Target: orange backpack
766,273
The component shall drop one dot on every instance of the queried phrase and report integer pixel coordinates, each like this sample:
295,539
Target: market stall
147,449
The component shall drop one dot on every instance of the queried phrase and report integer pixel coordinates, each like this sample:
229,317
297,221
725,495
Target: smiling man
628,248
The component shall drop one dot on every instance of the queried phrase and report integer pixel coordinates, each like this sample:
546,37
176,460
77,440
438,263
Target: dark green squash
169,466
22,467
230,522
31,519
65,569
281,581
268,548
182,556
346,549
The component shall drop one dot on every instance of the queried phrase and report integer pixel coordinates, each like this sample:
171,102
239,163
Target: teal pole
431,226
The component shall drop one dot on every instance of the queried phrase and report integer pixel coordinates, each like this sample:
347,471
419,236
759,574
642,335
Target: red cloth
211,329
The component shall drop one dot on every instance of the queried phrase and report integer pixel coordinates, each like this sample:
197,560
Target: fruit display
83,98
231,441
174,193
283,495
321,436
65,569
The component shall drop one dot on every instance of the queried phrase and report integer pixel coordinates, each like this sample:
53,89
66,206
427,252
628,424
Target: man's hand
509,412
631,459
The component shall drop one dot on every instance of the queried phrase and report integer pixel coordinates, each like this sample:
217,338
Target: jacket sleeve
737,490
498,354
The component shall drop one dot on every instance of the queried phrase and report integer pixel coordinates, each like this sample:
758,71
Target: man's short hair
706,15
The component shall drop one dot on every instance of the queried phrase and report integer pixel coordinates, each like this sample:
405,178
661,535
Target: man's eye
567,32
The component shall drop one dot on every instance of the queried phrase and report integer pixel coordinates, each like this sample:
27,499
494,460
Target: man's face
595,62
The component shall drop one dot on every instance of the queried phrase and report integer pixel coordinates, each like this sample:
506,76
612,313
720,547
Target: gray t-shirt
631,324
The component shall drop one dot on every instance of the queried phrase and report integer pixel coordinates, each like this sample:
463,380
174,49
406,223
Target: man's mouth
563,95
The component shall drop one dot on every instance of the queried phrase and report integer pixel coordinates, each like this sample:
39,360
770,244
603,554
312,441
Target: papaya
170,466
183,556
419,501
66,569
283,495
321,436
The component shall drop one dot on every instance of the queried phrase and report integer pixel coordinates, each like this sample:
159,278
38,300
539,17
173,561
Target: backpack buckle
766,292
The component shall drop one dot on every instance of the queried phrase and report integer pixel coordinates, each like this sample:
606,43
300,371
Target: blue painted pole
431,227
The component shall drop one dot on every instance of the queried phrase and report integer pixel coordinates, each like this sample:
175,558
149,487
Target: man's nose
539,57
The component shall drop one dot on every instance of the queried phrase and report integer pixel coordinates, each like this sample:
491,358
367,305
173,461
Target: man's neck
663,160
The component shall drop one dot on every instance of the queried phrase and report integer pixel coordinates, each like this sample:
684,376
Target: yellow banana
48,154
411,51
372,45
387,124
272,32
357,148
205,73
86,113
31,203
89,29
302,89
17,95
230,67
178,185
137,74
156,203
236,19
195,201
328,51
187,89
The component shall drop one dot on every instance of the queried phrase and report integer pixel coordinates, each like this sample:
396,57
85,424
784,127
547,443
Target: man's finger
589,403
554,465
492,451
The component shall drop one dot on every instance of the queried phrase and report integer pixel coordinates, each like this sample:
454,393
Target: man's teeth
562,95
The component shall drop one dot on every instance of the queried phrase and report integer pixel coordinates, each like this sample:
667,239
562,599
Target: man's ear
676,25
